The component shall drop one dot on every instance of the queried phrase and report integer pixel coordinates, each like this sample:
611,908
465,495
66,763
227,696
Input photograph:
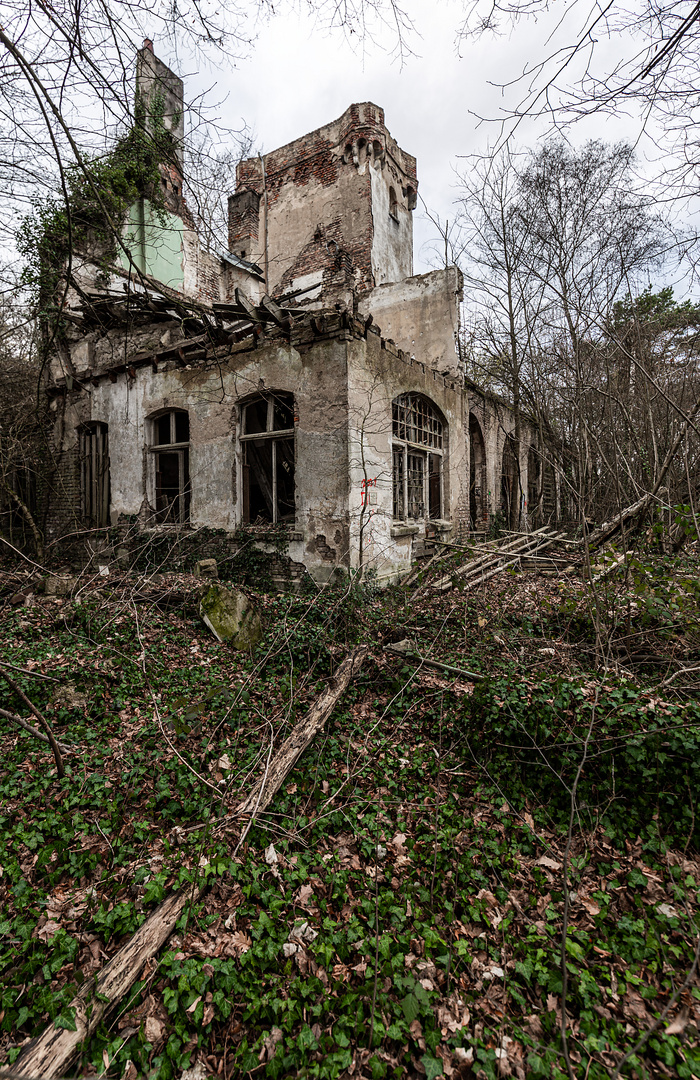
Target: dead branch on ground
55,1048
41,718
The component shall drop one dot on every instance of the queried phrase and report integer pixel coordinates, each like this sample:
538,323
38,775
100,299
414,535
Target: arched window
417,438
267,444
93,446
510,484
393,204
170,457
477,474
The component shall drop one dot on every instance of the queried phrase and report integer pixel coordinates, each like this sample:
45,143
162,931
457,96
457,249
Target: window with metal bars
416,420
93,445
170,463
417,436
267,445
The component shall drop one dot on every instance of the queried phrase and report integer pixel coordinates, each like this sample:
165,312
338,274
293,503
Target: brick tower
328,216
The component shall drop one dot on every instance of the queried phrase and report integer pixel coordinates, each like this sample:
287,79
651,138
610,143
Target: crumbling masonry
303,380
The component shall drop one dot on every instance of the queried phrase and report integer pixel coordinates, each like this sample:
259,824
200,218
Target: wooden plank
505,566
525,541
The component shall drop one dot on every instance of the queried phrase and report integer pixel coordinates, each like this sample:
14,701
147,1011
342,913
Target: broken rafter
523,542
608,529
487,566
491,572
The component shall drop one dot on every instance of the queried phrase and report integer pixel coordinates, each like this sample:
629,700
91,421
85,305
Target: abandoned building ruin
303,380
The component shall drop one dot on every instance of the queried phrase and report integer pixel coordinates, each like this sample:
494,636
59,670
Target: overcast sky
299,76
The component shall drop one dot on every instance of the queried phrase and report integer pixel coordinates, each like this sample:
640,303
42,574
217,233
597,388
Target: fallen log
302,735
55,1048
49,1054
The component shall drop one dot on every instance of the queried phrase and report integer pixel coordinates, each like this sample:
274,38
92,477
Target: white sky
299,76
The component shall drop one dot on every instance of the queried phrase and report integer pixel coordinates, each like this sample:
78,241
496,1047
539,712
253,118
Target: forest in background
486,862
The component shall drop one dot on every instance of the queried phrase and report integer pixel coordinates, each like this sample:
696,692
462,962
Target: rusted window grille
398,484
417,472
416,421
416,486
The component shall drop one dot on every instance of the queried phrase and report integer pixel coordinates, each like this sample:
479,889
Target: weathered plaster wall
377,375
421,315
317,376
392,232
330,187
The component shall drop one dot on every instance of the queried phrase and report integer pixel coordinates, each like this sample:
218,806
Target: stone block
231,617
123,558
206,568
60,585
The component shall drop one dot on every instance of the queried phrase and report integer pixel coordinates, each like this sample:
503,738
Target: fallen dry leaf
550,864
153,1029
591,906
679,1023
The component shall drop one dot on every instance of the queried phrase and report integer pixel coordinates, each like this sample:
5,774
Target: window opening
267,425
393,204
477,475
510,484
171,464
94,474
417,432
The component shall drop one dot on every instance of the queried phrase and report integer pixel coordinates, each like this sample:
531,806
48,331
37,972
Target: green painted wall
155,240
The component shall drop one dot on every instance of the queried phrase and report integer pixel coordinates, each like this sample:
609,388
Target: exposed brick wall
64,513
243,219
342,267
337,156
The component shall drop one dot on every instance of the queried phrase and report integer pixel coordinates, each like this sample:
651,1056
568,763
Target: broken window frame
418,459
170,511
276,439
93,454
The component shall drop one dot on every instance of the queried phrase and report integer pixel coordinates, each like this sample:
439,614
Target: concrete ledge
403,530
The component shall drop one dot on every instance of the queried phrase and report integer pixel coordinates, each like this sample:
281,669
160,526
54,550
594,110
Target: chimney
157,85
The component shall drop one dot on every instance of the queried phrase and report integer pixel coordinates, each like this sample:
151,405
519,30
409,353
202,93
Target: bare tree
556,237
504,299
650,73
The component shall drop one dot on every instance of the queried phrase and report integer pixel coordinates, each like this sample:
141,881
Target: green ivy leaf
411,1007
432,1066
66,1020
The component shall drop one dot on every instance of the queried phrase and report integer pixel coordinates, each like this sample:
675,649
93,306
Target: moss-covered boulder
231,617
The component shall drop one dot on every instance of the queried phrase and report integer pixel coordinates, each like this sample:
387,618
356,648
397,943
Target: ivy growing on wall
88,216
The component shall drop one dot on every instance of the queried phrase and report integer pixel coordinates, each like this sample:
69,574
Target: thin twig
30,728
42,720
